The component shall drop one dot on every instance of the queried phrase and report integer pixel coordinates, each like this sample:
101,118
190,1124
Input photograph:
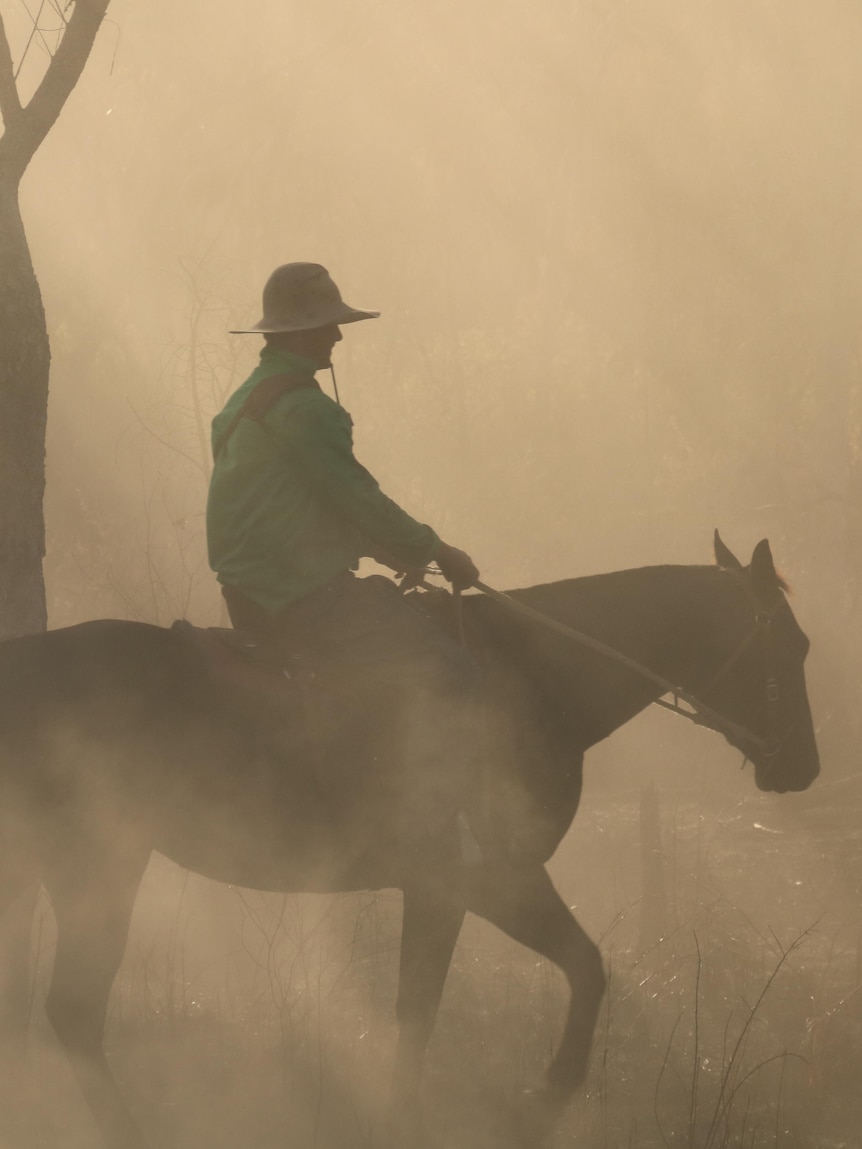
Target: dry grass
244,1019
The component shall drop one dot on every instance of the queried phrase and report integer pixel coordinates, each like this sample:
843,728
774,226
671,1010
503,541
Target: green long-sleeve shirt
289,506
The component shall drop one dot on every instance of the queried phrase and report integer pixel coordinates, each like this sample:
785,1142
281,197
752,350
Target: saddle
253,672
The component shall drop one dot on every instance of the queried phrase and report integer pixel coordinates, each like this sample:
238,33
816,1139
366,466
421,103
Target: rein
700,713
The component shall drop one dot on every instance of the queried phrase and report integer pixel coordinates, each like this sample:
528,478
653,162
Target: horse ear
725,557
764,579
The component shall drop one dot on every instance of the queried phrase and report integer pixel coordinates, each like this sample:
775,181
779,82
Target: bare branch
35,31
22,138
55,4
10,104
177,450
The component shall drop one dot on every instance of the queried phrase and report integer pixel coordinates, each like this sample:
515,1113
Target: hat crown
301,296
300,293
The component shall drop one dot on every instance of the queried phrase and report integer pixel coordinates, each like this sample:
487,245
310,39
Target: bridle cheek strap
770,745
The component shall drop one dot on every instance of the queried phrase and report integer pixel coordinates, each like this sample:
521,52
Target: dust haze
616,247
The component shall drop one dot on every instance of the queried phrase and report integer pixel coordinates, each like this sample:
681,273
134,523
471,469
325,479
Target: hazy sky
615,246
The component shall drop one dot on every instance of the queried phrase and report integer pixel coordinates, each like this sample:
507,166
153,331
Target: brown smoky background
616,247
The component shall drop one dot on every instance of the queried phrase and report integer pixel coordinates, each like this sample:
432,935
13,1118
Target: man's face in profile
317,344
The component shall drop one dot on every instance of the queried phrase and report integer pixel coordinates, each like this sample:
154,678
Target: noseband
769,746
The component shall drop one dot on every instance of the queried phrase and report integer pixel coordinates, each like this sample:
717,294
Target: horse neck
671,620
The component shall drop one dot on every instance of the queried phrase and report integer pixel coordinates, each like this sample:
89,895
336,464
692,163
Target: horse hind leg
525,905
19,892
20,883
93,907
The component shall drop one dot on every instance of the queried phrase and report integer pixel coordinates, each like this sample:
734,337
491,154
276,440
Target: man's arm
316,438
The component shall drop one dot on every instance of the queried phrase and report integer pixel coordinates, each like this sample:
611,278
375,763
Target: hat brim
343,314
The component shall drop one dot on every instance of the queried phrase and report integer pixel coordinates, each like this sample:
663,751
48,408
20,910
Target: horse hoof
537,1116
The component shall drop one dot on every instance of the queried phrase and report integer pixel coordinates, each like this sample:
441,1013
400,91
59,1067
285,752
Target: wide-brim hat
299,297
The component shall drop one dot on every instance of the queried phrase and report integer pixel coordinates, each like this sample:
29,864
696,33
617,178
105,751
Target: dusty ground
240,1020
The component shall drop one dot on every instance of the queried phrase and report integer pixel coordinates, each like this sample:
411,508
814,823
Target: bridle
769,746
698,711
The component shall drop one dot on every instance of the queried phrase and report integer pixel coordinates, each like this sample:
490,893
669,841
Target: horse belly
289,850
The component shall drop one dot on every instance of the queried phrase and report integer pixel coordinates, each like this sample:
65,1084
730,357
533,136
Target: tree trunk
24,352
24,362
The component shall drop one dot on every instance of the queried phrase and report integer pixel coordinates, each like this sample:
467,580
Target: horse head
760,683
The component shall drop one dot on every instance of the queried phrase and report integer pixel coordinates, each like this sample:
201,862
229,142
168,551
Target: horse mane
609,605
784,584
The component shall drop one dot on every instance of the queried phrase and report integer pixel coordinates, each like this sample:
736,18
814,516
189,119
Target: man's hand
457,566
410,577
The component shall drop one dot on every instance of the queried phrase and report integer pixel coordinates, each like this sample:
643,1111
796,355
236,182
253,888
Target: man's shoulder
309,406
223,419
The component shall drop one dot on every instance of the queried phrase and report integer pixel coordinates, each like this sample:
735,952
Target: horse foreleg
429,930
524,904
93,918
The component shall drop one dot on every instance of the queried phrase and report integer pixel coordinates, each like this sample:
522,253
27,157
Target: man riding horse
290,514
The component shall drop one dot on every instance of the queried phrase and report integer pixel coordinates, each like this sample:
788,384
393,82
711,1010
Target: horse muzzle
791,768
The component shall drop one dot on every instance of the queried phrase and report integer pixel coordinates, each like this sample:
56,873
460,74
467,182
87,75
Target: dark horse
115,741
